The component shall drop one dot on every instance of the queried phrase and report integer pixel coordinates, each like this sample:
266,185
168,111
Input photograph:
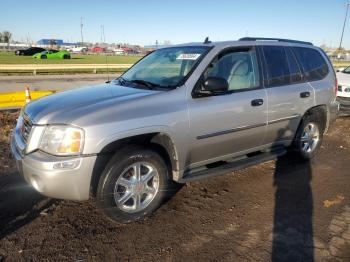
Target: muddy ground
283,210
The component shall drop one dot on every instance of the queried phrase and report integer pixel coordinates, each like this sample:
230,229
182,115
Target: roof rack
274,39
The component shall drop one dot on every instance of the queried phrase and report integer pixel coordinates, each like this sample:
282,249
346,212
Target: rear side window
313,64
278,72
295,73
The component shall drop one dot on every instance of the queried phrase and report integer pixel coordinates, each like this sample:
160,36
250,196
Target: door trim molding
228,131
242,128
283,119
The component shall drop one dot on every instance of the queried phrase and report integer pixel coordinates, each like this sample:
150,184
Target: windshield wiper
142,84
145,83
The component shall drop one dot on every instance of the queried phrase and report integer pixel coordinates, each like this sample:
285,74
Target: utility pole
81,31
101,41
103,38
346,16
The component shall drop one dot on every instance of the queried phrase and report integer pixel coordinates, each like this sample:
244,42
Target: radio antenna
104,41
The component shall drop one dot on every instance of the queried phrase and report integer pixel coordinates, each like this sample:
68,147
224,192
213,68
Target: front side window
313,64
165,68
239,68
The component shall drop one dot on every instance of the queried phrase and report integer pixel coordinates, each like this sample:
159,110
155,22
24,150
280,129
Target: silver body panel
202,130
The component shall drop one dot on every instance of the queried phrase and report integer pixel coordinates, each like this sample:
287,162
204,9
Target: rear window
314,65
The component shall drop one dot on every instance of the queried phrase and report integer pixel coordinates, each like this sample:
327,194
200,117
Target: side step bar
233,166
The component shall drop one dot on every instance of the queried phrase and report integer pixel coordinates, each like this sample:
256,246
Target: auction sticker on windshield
188,56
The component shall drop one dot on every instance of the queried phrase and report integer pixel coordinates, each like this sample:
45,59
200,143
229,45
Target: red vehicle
98,49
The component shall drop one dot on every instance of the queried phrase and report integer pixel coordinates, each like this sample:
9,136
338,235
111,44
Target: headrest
242,68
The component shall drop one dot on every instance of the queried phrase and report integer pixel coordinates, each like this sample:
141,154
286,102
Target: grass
63,72
11,58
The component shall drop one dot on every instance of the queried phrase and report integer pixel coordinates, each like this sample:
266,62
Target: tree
6,37
1,40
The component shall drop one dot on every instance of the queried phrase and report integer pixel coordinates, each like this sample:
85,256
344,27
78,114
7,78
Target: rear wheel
309,136
134,184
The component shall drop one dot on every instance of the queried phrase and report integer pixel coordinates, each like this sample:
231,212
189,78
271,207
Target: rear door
289,95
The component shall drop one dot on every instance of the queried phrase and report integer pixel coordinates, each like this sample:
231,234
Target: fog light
71,164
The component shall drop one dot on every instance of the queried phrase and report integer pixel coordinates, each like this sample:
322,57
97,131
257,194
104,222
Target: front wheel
309,136
134,184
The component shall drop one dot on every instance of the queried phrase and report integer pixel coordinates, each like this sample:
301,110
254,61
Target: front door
234,121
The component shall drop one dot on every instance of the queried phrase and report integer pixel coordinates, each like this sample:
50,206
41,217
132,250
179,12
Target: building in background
54,42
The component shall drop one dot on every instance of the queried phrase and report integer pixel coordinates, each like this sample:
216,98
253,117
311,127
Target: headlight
62,140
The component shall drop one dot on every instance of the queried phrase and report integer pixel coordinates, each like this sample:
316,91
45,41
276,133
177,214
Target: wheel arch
160,142
321,112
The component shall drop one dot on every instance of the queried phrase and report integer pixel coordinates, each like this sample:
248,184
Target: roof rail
274,39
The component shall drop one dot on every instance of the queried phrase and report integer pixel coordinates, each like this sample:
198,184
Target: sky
178,21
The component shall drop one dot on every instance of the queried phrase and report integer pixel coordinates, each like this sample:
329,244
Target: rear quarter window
312,62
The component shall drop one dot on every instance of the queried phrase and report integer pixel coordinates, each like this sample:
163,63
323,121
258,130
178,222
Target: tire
305,146
120,171
43,57
66,57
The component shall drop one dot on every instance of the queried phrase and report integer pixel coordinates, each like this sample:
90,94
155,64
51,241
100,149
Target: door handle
304,94
257,102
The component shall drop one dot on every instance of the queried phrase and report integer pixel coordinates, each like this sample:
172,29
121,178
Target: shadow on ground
292,227
19,203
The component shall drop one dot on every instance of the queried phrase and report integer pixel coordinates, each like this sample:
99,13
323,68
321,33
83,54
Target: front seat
240,76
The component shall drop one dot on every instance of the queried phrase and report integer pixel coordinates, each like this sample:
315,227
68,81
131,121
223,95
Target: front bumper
37,169
334,111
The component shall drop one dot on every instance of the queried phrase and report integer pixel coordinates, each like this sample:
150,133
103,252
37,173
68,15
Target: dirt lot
282,210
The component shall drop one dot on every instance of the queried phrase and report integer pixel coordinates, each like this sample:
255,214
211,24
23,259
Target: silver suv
180,114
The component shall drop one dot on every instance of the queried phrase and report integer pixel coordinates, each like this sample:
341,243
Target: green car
52,54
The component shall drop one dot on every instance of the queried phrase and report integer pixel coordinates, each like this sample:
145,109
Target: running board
233,166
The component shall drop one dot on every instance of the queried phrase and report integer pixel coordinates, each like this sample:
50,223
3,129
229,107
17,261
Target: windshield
347,70
164,68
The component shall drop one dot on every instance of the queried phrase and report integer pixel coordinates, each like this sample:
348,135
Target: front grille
26,128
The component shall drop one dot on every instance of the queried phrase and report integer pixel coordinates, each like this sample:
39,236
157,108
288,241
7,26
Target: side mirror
215,85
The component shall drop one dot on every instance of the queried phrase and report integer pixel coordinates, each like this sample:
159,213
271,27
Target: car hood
343,78
64,107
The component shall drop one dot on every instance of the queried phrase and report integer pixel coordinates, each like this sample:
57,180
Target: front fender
176,147
133,132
